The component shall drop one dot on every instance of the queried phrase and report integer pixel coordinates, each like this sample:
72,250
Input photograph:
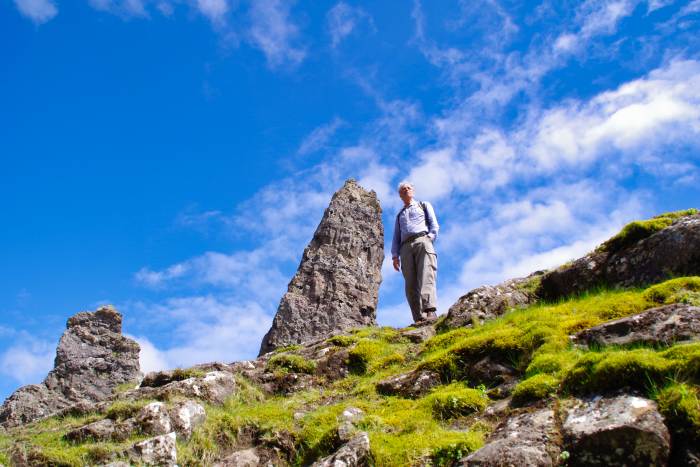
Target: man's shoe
431,315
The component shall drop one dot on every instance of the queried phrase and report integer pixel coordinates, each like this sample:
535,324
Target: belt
413,237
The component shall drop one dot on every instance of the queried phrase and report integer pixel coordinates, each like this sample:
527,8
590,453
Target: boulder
336,285
348,420
412,385
153,419
214,387
244,458
161,451
92,359
101,430
488,302
673,251
658,326
526,438
354,453
186,416
419,335
615,431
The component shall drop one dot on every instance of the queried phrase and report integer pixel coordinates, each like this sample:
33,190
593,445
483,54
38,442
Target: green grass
680,407
291,362
534,388
638,230
121,410
455,400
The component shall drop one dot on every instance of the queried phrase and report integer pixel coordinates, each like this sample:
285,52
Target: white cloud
319,137
125,8
214,10
39,11
342,20
28,361
273,32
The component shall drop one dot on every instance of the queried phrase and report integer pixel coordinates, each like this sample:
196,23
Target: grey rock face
659,326
673,251
355,453
412,385
488,302
617,431
160,450
186,416
101,430
91,360
336,286
244,458
153,419
529,438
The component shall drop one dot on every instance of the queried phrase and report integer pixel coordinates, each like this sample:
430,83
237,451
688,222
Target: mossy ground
439,426
638,230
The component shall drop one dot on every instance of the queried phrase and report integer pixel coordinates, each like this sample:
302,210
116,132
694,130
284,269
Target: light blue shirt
412,220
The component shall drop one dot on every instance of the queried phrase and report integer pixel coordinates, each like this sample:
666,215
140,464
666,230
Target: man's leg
408,268
426,273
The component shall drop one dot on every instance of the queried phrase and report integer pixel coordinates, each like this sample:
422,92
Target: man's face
406,194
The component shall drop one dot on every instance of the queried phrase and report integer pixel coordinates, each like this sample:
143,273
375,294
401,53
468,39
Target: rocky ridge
336,285
606,379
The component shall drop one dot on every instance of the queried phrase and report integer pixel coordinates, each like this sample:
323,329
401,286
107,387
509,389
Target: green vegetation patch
368,356
121,410
680,406
455,400
680,290
341,340
638,230
534,388
291,362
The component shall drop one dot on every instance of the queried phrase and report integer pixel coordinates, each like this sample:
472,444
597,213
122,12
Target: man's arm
432,222
396,244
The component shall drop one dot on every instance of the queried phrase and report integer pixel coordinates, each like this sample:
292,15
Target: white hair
403,184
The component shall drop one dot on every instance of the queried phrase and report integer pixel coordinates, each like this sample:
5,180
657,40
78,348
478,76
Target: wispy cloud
125,8
273,31
39,11
214,10
28,360
319,137
343,19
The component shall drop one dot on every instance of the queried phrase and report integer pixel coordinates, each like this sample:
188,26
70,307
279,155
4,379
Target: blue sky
173,157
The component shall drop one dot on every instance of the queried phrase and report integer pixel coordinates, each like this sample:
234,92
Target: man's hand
396,263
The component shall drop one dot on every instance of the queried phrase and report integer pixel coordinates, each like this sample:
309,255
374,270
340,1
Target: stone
336,285
92,359
153,419
526,438
161,451
488,302
419,335
411,385
244,458
101,430
214,387
615,431
348,420
186,416
663,325
673,251
490,372
354,453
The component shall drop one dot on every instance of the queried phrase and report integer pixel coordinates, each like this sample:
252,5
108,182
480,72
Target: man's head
406,192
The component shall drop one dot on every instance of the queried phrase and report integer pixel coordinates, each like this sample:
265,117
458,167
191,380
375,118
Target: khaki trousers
419,268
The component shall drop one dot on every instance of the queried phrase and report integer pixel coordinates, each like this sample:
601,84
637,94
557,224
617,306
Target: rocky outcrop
616,431
92,359
411,385
658,326
490,301
529,438
337,283
160,450
354,453
673,251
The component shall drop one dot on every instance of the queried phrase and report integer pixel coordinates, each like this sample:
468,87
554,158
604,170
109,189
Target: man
415,230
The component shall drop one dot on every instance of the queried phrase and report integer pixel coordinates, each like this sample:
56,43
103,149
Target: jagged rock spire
92,359
336,285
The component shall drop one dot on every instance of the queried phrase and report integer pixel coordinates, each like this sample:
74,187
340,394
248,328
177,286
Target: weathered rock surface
91,360
490,301
213,387
412,385
616,431
529,438
244,458
185,416
348,420
101,430
336,286
420,334
153,419
658,326
673,251
160,450
355,453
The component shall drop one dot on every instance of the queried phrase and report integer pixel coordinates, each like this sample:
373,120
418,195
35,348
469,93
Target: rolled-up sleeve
433,226
396,240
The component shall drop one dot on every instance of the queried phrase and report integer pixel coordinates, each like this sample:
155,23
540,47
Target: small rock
658,326
412,385
153,419
160,450
124,429
617,431
244,458
525,439
214,387
490,372
186,416
355,453
348,419
100,430
420,334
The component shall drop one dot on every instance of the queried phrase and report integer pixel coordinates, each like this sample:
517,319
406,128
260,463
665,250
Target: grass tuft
638,230
455,400
290,362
